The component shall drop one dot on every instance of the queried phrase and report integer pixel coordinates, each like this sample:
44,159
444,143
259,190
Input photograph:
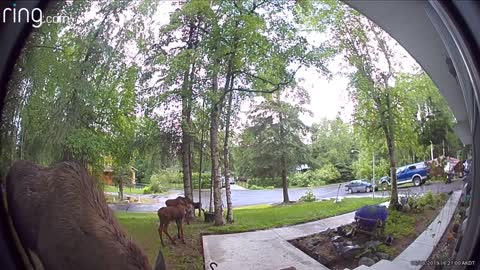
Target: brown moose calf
168,214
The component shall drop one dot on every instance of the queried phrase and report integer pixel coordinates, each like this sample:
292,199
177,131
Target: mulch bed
336,251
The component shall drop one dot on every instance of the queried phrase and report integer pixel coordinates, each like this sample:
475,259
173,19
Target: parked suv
414,173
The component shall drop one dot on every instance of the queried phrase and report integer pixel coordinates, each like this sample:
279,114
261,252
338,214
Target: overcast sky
329,97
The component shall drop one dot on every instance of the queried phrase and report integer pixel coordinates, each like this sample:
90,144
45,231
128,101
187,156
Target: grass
142,227
126,190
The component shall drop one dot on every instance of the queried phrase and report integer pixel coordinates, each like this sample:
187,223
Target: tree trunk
214,120
283,160
120,190
284,181
226,164
387,123
186,96
186,142
202,141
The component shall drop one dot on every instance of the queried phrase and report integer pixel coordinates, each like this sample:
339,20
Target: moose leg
179,222
180,231
165,229
160,229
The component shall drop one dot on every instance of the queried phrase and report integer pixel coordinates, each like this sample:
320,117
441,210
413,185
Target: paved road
253,197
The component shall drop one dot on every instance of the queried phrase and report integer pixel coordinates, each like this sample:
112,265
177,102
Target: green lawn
126,190
143,226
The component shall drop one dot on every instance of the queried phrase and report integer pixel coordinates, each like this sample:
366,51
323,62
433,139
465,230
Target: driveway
242,197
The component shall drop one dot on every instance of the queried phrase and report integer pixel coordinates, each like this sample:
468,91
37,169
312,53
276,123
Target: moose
177,210
60,215
185,201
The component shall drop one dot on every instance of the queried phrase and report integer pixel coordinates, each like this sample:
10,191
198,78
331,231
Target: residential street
241,197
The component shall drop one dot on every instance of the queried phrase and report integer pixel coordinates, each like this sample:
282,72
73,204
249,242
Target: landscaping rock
338,247
316,242
375,258
337,238
340,231
382,256
372,244
389,240
366,261
350,250
406,208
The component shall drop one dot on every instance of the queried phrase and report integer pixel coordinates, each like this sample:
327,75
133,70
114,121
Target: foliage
332,143
264,182
72,95
430,200
255,187
165,178
263,143
305,179
308,197
400,225
328,173
206,180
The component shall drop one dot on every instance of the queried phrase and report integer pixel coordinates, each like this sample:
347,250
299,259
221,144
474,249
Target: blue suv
414,173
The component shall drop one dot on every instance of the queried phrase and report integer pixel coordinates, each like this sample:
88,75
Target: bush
163,179
315,178
429,199
255,187
328,173
308,197
155,186
147,191
206,180
307,179
265,182
400,225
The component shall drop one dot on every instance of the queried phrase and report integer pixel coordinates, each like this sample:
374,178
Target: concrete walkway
267,249
270,249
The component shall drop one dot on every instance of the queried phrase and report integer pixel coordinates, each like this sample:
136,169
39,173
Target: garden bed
443,253
339,249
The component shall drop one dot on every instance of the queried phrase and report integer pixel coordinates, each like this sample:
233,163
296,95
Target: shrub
328,173
307,179
155,186
163,179
168,176
301,179
206,180
429,199
147,191
308,197
400,225
255,187
265,182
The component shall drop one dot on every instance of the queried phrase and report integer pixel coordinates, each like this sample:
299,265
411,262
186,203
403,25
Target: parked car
416,173
359,186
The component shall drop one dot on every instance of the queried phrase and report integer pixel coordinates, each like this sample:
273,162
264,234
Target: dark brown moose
60,214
